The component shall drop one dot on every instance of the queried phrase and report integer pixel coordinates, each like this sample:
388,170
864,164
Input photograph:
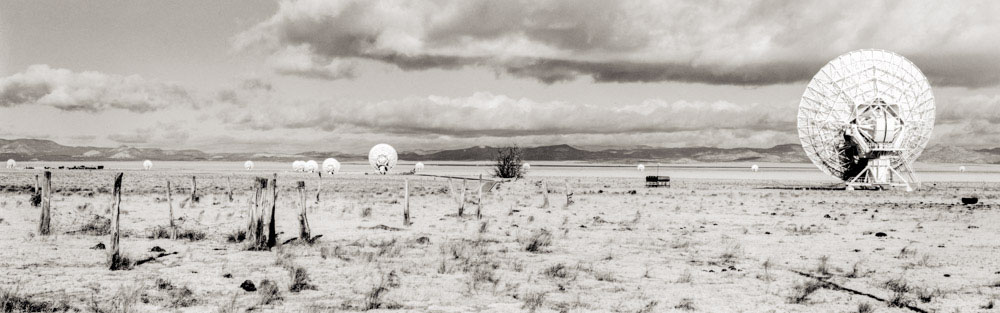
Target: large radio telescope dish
865,117
382,157
331,166
11,163
248,165
147,165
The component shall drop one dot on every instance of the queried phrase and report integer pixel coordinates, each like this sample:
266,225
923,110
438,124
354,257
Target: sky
342,76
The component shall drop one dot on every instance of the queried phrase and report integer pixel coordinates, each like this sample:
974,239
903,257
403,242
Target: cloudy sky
291,76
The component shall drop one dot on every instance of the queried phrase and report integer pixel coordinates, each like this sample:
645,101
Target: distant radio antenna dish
418,167
311,166
299,166
754,168
331,166
11,163
248,165
865,117
382,157
147,165
641,168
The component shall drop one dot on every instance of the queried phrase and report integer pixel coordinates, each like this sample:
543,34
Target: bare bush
508,163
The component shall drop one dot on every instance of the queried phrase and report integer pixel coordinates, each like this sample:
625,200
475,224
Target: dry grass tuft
686,304
537,241
802,291
533,300
12,301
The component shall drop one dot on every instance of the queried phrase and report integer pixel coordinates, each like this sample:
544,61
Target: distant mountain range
47,150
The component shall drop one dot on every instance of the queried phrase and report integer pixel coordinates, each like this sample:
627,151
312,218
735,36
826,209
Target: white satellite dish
526,166
248,165
331,166
961,168
11,163
641,168
754,168
298,166
865,117
311,166
382,157
147,164
418,167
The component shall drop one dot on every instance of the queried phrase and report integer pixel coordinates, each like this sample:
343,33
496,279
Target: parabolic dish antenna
248,165
382,157
311,166
299,166
865,117
331,166
11,163
147,165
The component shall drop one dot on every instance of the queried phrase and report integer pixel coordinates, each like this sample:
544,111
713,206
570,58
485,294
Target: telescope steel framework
865,117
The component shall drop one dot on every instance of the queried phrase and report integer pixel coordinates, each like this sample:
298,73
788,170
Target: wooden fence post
479,206
319,186
545,196
272,196
303,219
170,204
229,185
115,259
569,194
406,202
36,194
194,191
45,224
255,225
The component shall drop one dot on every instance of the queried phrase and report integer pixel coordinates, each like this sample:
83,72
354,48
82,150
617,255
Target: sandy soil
703,245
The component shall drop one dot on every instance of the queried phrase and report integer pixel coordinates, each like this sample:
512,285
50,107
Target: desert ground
717,240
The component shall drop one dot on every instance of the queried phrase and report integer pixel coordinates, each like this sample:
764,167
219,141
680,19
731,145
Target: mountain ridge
47,150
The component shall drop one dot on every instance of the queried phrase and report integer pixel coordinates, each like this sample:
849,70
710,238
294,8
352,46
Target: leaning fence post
45,224
116,201
406,202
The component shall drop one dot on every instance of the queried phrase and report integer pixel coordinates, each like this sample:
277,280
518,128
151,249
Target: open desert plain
718,239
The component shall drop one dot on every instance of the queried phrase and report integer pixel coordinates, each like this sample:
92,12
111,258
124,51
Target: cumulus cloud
715,42
88,91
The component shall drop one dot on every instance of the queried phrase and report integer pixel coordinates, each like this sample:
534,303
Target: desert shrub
366,212
300,280
11,301
926,295
865,307
96,226
508,163
533,300
163,232
824,266
268,292
238,235
120,262
684,278
558,270
537,241
801,292
686,304
374,298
